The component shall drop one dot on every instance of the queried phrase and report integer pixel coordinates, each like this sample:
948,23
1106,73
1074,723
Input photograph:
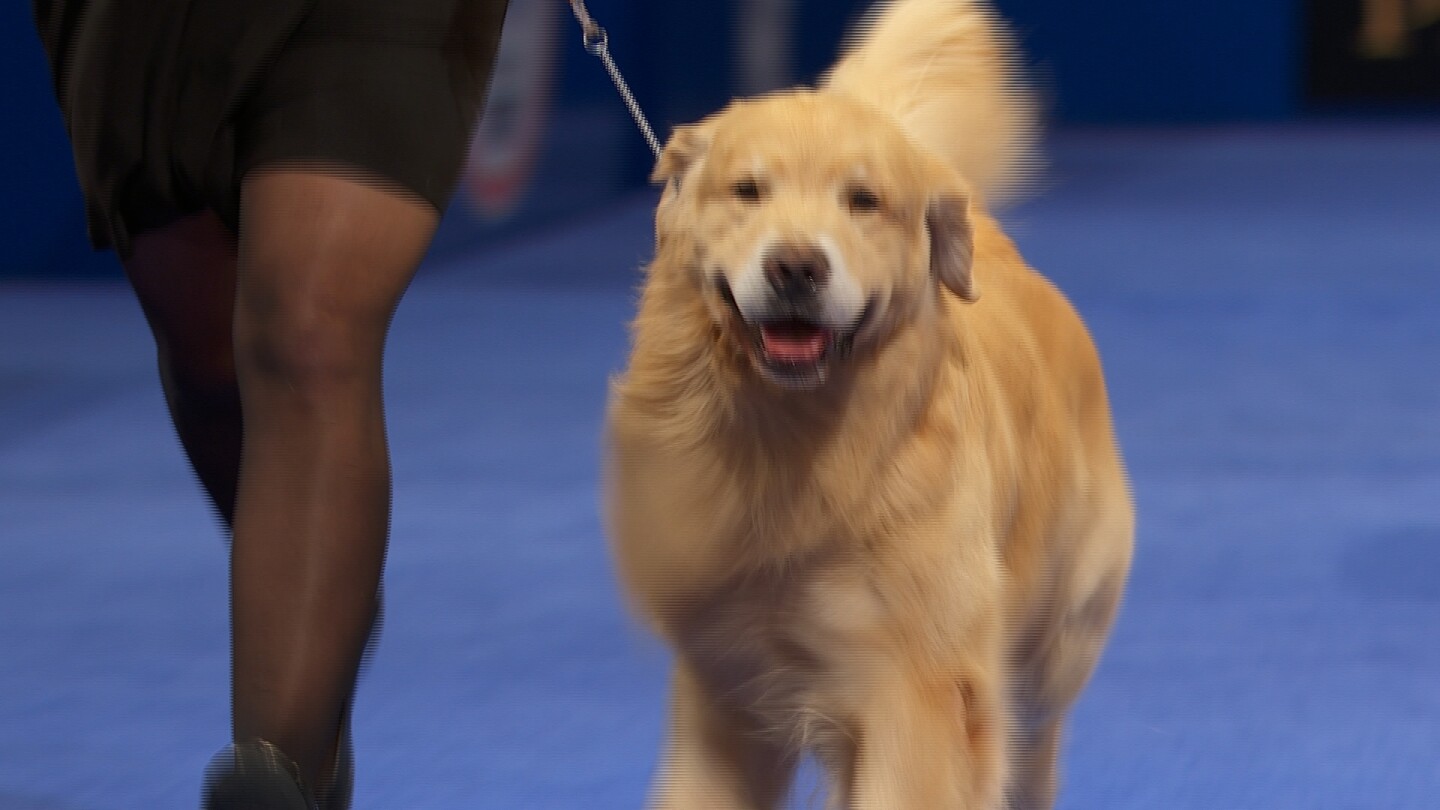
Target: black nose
796,270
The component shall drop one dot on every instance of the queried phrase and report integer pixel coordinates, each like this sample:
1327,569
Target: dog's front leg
715,757
929,743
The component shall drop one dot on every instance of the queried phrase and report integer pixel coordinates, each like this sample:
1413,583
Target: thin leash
597,42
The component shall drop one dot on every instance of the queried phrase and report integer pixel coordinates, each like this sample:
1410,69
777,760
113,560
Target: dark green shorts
169,103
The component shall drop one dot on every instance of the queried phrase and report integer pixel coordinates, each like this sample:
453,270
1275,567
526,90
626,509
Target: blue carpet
1267,302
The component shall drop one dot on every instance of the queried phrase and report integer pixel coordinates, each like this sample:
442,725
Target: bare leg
323,260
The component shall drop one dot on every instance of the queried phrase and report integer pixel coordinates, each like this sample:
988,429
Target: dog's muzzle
793,336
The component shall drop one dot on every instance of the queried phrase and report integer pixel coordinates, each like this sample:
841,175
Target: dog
861,475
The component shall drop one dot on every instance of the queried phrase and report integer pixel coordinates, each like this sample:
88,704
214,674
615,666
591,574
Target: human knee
319,282
307,351
312,354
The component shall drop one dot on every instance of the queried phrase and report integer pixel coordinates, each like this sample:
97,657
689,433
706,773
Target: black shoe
254,775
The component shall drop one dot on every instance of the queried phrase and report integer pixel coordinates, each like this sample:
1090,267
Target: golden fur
904,561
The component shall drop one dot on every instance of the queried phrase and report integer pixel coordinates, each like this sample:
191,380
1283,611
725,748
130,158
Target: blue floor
1268,305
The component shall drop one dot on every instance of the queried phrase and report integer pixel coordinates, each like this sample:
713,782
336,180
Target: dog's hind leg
1034,768
717,758
1053,667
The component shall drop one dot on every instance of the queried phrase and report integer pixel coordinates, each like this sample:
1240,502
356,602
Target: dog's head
814,228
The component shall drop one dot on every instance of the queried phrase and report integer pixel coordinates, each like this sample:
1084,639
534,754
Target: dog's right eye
747,190
862,200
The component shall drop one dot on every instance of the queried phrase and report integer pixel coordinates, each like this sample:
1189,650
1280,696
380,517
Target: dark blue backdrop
1110,62
1132,61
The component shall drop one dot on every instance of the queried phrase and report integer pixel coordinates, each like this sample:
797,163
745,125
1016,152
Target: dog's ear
952,246
685,146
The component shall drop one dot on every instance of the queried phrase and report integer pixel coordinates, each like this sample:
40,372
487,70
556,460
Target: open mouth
794,342
797,352
795,349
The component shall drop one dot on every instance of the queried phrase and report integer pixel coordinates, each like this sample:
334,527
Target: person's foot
254,775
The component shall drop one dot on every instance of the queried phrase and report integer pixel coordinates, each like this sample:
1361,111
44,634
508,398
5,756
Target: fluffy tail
950,74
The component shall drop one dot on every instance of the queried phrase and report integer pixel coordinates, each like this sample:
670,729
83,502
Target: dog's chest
792,648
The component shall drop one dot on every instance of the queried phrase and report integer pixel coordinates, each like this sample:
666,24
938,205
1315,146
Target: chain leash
597,42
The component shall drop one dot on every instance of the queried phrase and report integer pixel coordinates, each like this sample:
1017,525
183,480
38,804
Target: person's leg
323,259
184,276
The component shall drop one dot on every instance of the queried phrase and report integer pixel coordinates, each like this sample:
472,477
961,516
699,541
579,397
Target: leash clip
597,42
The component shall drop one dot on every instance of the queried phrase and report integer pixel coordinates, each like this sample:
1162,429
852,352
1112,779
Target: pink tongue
793,345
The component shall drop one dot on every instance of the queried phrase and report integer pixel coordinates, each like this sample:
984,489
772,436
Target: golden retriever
861,475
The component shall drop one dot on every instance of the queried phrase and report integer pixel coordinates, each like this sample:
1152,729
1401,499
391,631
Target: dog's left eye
747,190
862,200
